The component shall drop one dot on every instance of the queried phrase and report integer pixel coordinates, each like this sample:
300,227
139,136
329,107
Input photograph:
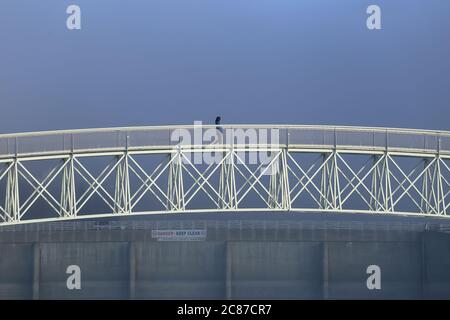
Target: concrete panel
16,271
400,264
104,270
278,256
437,265
176,270
276,270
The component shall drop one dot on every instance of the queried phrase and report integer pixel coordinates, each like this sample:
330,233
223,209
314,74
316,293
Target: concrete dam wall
235,256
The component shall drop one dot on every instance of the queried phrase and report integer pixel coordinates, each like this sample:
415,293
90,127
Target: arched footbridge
90,173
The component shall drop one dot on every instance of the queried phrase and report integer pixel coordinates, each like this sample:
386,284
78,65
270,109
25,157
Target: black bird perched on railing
218,127
219,136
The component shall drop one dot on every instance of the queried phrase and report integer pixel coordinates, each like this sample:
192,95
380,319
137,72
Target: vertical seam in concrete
325,269
36,269
228,271
423,278
132,266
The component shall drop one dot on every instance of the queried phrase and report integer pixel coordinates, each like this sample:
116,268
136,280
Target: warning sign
179,235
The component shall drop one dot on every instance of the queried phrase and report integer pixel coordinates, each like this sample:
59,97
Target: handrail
229,126
128,138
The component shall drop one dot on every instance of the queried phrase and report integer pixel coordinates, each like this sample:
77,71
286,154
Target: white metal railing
68,141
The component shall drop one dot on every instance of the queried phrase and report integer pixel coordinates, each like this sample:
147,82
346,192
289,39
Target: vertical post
12,202
424,204
288,133
438,145
275,184
324,183
335,138
36,270
279,197
175,189
373,139
68,202
337,203
388,190
386,141
286,192
227,183
440,189
381,186
132,266
122,199
330,197
374,189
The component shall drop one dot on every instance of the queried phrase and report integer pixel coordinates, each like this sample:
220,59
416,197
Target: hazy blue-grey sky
251,61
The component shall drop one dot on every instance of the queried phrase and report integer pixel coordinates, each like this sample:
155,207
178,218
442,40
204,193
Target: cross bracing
134,171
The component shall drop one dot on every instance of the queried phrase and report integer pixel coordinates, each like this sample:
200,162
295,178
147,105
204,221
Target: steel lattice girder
295,179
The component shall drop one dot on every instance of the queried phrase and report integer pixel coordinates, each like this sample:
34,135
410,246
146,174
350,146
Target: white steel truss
169,180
